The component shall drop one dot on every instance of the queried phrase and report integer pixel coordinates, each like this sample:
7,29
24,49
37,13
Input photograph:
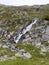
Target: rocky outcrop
24,54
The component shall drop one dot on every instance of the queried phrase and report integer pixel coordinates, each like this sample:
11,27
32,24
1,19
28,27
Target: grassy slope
5,51
7,18
37,59
18,61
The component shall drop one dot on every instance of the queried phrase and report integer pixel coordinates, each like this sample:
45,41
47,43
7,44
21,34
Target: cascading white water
26,29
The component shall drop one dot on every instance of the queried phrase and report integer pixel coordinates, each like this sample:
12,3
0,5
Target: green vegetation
18,61
5,51
47,44
37,58
10,20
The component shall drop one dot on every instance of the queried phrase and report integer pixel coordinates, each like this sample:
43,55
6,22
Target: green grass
5,51
37,58
35,52
20,61
46,44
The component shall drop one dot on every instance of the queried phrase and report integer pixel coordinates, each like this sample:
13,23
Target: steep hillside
33,46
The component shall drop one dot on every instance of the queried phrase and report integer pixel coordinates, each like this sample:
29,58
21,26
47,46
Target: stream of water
25,29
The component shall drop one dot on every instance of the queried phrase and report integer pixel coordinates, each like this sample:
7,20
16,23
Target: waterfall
26,29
